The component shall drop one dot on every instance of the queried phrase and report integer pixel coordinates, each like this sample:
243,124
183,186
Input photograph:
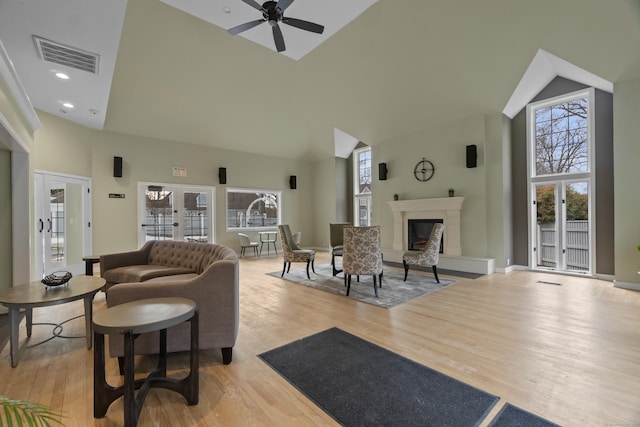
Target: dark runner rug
512,416
394,290
361,384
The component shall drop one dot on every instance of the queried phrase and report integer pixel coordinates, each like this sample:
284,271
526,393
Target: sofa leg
406,269
227,353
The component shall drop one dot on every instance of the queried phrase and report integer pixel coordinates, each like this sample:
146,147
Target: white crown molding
8,72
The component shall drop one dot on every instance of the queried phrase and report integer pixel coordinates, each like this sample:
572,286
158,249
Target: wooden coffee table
36,294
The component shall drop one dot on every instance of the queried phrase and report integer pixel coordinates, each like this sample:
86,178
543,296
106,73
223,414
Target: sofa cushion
140,273
172,253
173,278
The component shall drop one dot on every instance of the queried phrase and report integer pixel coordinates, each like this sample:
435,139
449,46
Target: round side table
130,320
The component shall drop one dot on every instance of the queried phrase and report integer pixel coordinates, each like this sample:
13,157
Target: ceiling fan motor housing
271,12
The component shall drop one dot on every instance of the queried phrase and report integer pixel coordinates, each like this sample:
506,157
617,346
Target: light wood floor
568,353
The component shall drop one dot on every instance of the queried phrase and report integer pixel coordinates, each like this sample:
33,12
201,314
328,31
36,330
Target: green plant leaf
18,412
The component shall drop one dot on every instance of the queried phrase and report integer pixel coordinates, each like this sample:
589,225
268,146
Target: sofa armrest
137,257
215,291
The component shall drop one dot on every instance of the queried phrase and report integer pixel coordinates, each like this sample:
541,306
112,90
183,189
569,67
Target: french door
63,222
175,212
562,231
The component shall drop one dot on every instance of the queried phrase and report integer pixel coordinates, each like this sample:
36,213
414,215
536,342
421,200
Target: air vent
66,55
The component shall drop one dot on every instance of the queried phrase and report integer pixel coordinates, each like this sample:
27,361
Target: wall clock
423,170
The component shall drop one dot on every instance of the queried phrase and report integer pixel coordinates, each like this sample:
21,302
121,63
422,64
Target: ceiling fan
272,12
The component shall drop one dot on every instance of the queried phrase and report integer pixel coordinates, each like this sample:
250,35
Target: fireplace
419,231
445,209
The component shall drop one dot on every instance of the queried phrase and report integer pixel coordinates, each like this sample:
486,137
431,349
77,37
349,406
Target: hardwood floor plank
568,352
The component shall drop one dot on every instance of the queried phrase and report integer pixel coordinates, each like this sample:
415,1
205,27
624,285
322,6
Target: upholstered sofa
205,273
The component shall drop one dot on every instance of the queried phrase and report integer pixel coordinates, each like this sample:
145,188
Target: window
561,183
252,208
561,138
362,186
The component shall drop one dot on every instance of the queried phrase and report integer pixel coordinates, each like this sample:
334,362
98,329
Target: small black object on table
130,320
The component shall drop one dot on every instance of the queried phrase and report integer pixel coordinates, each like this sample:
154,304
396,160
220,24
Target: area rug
512,416
394,290
361,384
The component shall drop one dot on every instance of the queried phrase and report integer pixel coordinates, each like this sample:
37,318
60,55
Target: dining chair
429,256
291,252
335,240
245,242
362,255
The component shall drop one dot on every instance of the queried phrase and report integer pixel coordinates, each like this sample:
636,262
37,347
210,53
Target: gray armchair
362,255
335,239
429,256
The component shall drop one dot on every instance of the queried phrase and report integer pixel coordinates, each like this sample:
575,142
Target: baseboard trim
626,285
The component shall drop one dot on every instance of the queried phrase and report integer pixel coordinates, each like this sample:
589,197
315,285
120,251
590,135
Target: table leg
14,323
131,412
88,318
29,315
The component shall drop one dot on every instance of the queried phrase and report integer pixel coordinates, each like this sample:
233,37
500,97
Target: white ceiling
229,13
382,69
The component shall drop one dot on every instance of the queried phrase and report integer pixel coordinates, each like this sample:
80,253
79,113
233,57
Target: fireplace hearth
419,231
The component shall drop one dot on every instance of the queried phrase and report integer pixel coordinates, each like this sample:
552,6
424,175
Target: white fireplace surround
446,208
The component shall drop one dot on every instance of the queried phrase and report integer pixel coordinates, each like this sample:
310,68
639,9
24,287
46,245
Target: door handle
50,224
41,225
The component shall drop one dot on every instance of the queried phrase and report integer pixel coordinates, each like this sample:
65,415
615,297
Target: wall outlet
508,261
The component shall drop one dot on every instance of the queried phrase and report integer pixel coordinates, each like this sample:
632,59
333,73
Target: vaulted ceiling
397,67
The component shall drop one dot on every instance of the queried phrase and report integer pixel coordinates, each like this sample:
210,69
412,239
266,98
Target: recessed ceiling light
227,10
67,104
62,76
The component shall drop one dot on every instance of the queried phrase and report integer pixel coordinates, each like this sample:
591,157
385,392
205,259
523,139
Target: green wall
445,146
90,153
626,130
6,247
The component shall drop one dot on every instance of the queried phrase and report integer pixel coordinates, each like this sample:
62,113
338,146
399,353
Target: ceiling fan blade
278,39
304,25
244,27
283,4
253,4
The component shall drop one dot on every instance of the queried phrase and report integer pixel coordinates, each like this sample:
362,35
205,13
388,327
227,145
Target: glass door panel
158,223
577,231
175,212
546,247
63,209
195,216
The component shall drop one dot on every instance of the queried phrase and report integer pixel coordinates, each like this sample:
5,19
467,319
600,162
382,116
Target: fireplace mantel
445,208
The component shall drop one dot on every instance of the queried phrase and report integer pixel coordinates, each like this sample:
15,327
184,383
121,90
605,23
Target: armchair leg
348,279
312,267
308,277
435,273
227,354
375,288
283,269
406,269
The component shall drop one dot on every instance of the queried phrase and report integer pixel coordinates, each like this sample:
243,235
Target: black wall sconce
222,175
293,182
